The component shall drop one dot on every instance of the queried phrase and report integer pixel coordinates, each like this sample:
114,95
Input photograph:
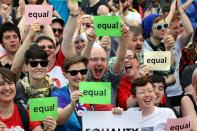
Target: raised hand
49,123
75,97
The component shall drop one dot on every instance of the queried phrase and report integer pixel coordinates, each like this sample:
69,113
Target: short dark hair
35,52
43,37
136,30
142,81
73,60
58,20
7,75
155,78
7,26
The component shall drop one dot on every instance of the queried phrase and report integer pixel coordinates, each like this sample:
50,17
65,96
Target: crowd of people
38,61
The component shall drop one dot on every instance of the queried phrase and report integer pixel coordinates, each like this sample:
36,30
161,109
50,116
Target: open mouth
138,48
127,68
98,71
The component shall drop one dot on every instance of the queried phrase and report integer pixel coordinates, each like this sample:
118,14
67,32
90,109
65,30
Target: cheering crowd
44,60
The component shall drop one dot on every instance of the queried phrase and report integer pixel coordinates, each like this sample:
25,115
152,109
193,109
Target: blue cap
147,24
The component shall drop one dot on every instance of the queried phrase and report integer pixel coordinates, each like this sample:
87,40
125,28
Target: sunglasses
49,47
43,63
60,31
86,24
75,72
160,27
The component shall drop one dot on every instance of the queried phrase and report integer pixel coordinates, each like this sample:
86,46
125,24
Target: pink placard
180,124
38,13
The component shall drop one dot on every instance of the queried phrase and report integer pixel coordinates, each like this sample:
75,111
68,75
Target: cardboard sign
107,121
107,25
42,107
38,13
157,60
180,124
95,92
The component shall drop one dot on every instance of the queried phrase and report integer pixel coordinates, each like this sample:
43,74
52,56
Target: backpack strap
24,117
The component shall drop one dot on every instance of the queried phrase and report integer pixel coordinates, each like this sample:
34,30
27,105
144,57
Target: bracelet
73,15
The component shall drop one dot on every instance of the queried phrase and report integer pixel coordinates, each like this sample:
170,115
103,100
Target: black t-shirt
93,10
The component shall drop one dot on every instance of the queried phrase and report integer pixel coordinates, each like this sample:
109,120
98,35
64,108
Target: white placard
107,121
157,60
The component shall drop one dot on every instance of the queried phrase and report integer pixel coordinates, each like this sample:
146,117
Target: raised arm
64,113
91,36
69,30
188,30
171,13
187,4
121,51
19,56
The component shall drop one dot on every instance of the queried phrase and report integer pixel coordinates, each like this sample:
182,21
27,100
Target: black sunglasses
43,63
60,31
49,47
75,72
160,27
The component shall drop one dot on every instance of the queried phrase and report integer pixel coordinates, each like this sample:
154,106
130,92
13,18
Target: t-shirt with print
15,123
56,73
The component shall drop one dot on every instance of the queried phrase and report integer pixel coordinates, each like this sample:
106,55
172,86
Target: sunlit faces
75,78
79,44
7,90
175,29
159,90
48,47
86,22
37,68
57,30
131,65
135,42
145,96
98,63
159,34
10,41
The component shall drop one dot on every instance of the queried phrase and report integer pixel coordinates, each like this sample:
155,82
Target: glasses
96,59
60,31
43,63
86,24
49,47
160,27
75,72
130,57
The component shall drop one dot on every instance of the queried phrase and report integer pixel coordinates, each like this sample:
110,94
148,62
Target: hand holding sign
49,123
117,110
75,97
90,34
3,126
125,31
34,28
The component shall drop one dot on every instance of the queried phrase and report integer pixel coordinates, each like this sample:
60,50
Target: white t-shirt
157,120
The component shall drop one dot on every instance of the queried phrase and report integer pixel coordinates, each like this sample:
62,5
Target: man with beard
98,64
135,41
